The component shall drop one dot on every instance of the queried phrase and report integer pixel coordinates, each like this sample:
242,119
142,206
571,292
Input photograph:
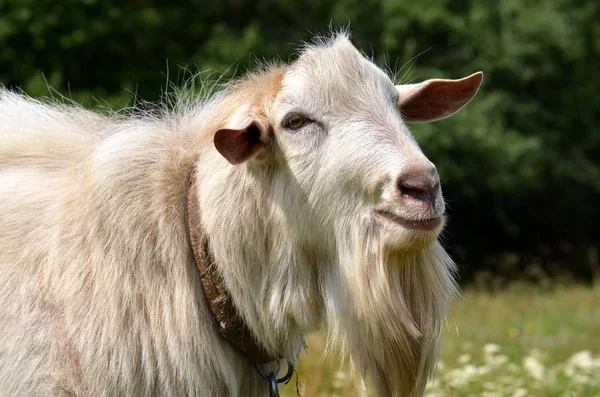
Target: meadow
522,341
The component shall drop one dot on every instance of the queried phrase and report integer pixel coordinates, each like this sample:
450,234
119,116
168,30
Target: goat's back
94,263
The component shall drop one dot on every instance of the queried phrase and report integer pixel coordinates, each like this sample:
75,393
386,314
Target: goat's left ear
436,99
240,144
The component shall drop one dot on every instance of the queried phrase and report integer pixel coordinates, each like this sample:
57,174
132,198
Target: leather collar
224,313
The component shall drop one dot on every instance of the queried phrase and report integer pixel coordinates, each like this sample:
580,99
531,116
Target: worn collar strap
229,323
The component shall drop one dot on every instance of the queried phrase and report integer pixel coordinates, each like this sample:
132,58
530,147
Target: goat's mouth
429,224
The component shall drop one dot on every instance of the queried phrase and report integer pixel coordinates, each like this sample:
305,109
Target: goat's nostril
422,186
421,193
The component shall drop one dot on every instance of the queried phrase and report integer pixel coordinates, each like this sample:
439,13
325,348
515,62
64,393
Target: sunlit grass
523,341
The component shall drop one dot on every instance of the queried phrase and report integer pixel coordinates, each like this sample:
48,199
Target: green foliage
519,167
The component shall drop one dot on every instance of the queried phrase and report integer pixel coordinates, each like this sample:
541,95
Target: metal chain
273,380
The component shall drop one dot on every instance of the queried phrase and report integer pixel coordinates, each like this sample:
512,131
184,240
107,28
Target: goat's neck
266,266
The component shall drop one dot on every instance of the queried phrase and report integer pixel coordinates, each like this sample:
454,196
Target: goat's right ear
239,145
436,99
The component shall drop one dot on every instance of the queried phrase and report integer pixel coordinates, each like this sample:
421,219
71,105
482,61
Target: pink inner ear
240,145
437,99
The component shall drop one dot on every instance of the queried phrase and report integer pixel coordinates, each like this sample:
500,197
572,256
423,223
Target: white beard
386,308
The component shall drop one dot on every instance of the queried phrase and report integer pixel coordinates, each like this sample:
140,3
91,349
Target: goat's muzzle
419,183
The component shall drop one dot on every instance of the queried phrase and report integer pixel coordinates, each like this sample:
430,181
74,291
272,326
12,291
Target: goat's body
96,277
311,194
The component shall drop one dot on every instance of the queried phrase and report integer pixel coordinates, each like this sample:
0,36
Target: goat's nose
419,183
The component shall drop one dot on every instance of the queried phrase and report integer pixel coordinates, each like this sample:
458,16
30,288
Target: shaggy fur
99,294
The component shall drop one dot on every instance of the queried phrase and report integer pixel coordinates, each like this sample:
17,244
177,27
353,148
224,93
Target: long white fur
99,293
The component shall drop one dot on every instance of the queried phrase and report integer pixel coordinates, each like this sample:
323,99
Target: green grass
523,341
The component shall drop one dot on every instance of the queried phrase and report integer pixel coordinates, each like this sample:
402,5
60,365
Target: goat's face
338,124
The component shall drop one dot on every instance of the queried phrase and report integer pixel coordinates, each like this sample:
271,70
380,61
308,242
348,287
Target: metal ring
285,379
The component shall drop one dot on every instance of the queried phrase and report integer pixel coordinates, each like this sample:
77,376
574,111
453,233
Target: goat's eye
295,122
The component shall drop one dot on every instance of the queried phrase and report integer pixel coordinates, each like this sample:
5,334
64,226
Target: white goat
318,206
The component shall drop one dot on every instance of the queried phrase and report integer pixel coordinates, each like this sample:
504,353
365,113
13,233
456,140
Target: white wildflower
582,360
461,376
464,358
520,392
534,368
580,367
339,378
496,361
491,348
470,370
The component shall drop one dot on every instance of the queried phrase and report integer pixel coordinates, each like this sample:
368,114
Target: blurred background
520,166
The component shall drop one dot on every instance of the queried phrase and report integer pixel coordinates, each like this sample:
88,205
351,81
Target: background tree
520,167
